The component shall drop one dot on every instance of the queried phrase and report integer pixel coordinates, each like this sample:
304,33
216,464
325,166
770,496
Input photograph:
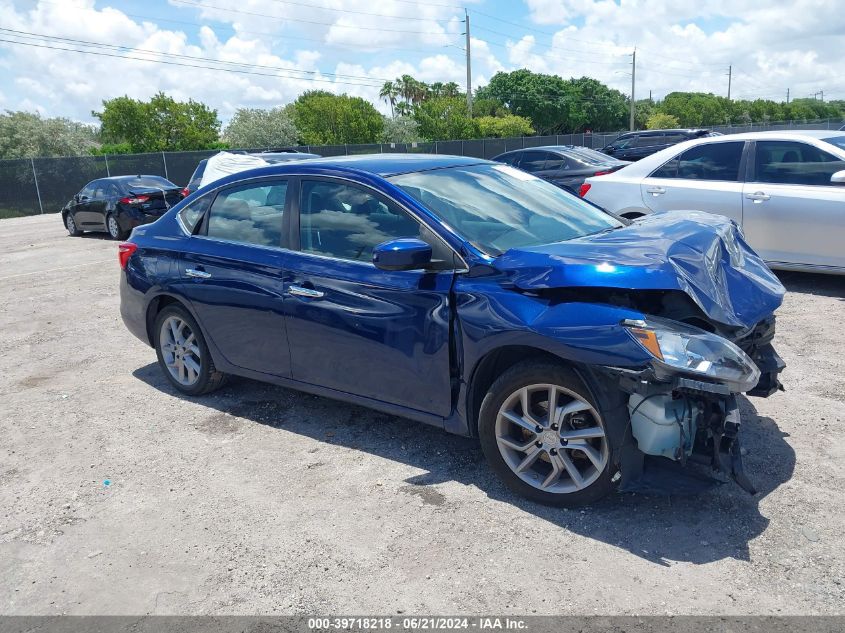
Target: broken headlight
687,349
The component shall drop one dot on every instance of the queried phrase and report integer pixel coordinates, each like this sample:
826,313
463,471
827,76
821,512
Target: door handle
656,191
758,196
197,274
310,293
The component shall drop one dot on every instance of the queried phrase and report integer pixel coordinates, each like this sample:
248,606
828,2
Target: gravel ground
118,496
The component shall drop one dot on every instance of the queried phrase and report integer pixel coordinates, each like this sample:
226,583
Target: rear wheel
70,225
113,227
183,354
544,436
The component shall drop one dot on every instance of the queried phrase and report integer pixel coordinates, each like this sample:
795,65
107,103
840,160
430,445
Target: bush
660,121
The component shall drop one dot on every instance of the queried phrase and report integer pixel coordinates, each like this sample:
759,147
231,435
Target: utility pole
469,66
633,82
730,70
787,95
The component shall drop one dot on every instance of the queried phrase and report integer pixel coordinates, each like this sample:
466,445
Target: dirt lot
118,496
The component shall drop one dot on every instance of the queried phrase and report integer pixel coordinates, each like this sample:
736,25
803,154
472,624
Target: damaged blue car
581,349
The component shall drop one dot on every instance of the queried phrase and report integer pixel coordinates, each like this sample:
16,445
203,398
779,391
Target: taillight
186,192
134,200
584,189
602,173
124,252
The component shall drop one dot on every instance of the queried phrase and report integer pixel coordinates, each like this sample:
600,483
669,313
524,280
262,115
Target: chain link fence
44,185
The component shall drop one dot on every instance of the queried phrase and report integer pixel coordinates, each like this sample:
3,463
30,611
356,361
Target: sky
263,53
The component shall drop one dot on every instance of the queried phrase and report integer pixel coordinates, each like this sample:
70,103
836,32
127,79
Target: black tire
113,228
70,225
536,373
209,379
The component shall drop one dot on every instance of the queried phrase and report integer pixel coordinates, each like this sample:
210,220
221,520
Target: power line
289,19
74,41
239,30
239,71
377,15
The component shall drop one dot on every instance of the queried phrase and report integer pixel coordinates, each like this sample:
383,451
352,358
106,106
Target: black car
119,204
271,156
566,166
636,145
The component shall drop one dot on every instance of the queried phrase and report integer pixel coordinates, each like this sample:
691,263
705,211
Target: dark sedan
633,146
566,166
117,205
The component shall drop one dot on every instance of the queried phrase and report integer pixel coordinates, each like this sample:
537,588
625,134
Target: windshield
837,141
497,207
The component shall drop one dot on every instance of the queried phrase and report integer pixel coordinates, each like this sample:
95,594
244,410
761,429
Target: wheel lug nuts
538,428
553,451
554,427
539,444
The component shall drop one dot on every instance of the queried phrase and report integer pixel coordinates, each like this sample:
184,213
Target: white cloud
682,45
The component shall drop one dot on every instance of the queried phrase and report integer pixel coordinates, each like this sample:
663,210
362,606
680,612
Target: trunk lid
158,200
701,254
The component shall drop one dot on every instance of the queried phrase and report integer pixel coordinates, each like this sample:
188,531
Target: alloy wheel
180,350
114,228
551,438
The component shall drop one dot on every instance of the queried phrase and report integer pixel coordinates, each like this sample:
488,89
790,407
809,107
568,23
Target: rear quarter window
191,214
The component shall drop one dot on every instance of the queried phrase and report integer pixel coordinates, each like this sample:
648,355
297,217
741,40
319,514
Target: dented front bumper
677,422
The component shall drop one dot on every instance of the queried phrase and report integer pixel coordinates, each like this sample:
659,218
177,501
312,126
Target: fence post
108,172
164,162
37,190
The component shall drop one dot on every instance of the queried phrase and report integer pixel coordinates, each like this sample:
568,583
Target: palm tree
389,92
451,89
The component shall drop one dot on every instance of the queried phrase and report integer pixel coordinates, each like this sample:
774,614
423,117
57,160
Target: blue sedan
583,350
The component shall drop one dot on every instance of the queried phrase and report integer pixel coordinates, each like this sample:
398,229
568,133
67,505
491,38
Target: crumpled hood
701,254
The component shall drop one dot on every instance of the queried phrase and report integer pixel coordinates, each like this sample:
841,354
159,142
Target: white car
785,189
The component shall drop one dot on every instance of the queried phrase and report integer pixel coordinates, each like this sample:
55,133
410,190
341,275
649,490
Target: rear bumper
133,309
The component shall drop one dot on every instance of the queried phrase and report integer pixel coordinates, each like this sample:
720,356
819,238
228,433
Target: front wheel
113,227
544,436
183,354
70,225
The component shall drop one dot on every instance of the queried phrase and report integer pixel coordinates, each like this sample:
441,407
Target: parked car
276,156
117,205
566,166
634,146
472,296
785,189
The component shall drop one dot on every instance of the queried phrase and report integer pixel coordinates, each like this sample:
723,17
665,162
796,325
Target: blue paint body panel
408,342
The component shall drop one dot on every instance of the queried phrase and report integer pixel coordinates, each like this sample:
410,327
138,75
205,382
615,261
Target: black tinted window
649,140
622,142
249,213
792,163
345,221
533,161
191,214
712,161
510,159
559,163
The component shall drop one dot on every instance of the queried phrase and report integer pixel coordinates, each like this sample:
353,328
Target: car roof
751,136
387,164
131,177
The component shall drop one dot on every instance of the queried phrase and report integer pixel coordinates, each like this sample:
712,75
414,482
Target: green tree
261,128
661,121
390,92
643,109
541,98
323,118
160,124
444,119
504,127
400,129
28,135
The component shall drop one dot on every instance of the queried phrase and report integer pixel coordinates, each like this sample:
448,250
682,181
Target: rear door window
649,140
252,213
533,161
710,161
558,163
510,159
794,163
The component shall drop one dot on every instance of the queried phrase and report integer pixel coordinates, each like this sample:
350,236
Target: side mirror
838,178
406,253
